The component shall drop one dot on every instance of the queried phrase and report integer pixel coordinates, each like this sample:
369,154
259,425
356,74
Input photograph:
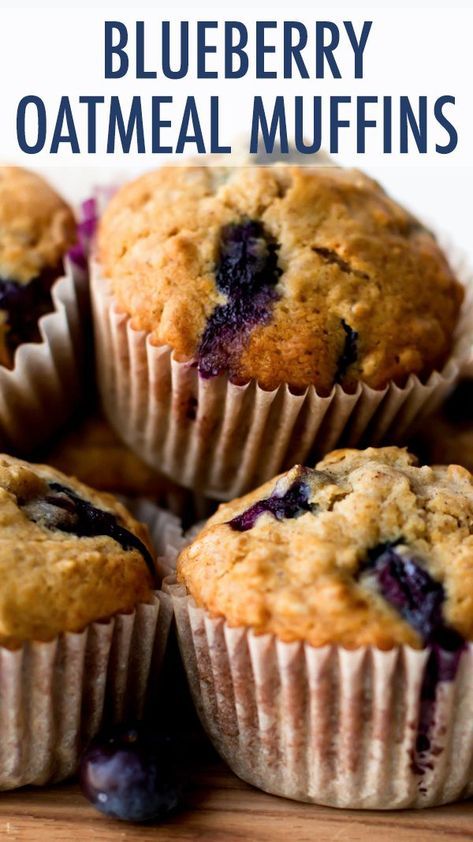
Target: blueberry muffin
68,555
91,451
37,229
366,549
325,623
82,630
302,276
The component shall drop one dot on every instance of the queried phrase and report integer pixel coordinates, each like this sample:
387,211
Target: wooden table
221,807
218,806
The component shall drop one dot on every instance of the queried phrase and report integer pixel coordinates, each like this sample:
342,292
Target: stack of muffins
247,320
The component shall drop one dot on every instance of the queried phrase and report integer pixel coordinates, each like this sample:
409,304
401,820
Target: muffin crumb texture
304,276
68,555
36,230
368,548
37,227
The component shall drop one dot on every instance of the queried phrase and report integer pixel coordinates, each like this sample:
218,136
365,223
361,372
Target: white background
423,50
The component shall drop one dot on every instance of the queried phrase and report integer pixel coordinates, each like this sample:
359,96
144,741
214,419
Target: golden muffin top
68,555
368,548
280,273
36,226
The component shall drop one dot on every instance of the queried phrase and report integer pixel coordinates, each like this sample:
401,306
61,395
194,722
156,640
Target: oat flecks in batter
305,578
36,229
68,555
349,255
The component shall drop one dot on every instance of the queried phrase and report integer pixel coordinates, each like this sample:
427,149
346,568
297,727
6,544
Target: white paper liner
242,436
54,696
166,532
329,726
45,385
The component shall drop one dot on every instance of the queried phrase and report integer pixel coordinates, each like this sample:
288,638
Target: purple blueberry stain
291,504
419,599
61,508
247,273
442,665
86,229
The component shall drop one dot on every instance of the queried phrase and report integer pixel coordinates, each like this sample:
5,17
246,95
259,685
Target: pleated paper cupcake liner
55,696
42,390
221,439
331,726
166,532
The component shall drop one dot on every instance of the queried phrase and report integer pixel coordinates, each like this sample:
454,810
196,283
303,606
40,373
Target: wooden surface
218,806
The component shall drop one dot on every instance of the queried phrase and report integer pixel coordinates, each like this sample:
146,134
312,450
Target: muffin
252,303
325,623
91,451
40,310
78,619
38,228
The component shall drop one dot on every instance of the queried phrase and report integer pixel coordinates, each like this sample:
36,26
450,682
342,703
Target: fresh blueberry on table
130,774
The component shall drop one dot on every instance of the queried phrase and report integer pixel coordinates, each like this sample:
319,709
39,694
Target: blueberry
418,598
247,273
23,306
130,773
61,508
412,591
350,351
291,504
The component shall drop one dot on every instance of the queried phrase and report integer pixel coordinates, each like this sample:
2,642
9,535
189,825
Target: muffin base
56,695
329,726
221,439
40,393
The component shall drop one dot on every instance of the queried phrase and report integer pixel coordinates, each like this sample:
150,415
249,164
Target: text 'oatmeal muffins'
325,622
79,619
249,302
41,296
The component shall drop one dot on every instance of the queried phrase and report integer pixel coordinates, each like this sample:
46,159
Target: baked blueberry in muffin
247,273
68,555
303,276
37,229
367,549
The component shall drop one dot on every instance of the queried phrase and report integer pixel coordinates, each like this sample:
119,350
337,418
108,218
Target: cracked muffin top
280,273
68,555
36,229
368,548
